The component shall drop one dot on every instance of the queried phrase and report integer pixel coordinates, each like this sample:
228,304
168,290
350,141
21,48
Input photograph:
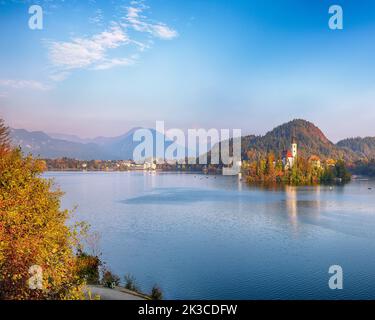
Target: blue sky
103,67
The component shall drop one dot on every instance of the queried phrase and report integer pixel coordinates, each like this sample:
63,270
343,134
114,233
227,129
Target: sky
100,68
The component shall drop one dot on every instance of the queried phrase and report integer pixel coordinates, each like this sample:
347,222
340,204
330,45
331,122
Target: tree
328,175
4,136
342,172
34,236
131,283
156,293
109,279
270,166
89,267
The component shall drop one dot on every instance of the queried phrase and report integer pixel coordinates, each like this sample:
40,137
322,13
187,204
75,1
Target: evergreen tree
341,171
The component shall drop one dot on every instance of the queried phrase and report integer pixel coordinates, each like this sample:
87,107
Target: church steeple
294,145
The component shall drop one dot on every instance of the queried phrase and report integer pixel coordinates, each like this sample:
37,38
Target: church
290,156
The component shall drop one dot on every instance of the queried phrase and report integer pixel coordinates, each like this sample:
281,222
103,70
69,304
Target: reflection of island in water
294,200
291,204
331,207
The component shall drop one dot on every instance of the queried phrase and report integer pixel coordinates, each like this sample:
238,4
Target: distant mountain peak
299,128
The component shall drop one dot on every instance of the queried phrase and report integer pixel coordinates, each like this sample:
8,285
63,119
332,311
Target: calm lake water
214,237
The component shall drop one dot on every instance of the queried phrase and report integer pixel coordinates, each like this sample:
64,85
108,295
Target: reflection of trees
317,198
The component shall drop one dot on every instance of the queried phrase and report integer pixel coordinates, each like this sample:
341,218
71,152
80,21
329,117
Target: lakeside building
149,165
290,156
235,169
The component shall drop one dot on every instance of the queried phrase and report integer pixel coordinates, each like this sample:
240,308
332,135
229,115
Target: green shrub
130,283
88,267
156,293
110,280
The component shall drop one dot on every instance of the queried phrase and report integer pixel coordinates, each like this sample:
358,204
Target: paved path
111,294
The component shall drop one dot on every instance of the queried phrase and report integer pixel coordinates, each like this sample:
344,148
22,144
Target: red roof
289,154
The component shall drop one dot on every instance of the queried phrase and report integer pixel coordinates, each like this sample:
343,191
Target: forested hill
311,141
364,147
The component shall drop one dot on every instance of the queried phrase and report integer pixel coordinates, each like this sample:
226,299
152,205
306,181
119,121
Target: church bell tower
294,147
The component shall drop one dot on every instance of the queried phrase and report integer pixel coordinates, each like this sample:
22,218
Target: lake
214,237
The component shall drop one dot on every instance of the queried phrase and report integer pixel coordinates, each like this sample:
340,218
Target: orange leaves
33,232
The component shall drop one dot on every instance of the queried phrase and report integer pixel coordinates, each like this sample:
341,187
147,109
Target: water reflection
291,205
214,238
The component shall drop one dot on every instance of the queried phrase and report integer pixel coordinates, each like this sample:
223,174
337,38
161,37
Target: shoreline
117,293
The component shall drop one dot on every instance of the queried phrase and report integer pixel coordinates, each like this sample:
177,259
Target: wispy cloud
23,84
98,17
59,76
139,22
83,52
110,63
97,52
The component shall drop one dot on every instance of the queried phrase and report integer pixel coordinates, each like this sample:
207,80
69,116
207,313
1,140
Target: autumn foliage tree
33,232
303,171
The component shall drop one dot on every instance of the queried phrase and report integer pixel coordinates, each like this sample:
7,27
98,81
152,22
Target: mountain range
311,141
57,146
54,145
